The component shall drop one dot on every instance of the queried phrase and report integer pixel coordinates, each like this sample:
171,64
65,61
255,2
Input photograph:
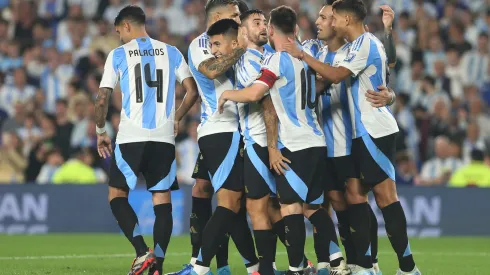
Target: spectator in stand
454,73
475,64
51,9
406,170
409,80
78,170
406,121
405,32
472,142
434,53
64,128
54,80
431,95
475,174
14,123
12,160
54,159
19,91
438,170
456,37
29,133
477,113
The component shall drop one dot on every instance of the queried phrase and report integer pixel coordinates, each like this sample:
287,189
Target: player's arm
250,94
388,42
332,74
190,98
102,106
214,67
385,97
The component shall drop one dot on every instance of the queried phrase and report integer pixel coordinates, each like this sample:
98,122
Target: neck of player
139,33
335,43
254,46
280,40
355,32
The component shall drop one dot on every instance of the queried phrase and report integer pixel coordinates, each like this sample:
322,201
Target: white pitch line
182,254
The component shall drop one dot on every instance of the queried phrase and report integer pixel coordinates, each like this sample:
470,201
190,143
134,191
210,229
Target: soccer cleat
358,270
195,273
415,271
342,269
289,272
142,263
377,270
185,271
309,269
323,268
255,273
323,271
225,270
153,272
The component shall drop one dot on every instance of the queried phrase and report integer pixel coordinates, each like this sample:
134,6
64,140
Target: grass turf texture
112,254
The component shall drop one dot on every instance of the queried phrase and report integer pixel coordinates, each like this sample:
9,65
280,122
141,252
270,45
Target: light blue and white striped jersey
210,90
368,63
292,89
53,85
147,70
251,115
312,46
334,108
475,67
11,94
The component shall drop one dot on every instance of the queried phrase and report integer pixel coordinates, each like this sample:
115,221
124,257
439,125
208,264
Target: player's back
147,70
210,90
294,98
368,62
334,108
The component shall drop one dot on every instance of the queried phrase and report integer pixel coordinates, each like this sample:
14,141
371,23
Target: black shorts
221,155
338,170
374,158
259,180
200,170
303,182
155,160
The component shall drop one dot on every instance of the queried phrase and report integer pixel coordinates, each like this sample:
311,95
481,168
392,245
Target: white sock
295,268
274,265
201,270
193,261
252,269
322,265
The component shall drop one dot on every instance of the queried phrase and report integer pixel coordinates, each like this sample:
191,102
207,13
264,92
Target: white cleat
358,270
415,271
342,269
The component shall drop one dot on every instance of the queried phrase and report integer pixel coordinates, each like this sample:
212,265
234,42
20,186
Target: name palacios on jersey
152,52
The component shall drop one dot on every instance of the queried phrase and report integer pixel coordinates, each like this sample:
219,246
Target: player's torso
294,98
212,121
312,46
377,122
334,109
146,70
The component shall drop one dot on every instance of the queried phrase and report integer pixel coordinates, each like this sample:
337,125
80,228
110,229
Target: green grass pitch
112,254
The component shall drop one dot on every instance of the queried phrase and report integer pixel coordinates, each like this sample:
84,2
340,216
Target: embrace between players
314,121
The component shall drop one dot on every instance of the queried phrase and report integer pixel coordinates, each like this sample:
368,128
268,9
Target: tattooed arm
104,143
276,159
214,67
388,43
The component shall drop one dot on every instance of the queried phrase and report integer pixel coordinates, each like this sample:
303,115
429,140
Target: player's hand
381,98
388,17
292,48
221,102
278,161
104,145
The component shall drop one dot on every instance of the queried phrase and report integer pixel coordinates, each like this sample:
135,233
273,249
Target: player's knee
229,199
202,189
117,193
162,197
385,193
337,200
310,209
291,209
355,197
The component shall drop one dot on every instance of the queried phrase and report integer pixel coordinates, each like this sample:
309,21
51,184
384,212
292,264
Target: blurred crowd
52,55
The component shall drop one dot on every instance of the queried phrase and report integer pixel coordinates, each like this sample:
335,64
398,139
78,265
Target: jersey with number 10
292,89
146,70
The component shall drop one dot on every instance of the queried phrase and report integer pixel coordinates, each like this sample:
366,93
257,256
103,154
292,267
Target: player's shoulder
364,42
200,42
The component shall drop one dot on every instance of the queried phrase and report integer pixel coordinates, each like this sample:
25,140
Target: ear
217,16
234,44
296,30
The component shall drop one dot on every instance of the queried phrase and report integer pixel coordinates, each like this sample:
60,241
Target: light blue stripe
159,251
136,230
319,200
346,118
263,170
166,182
199,257
360,130
246,131
471,65
125,169
368,252
328,125
207,88
226,166
255,65
333,248
379,157
149,94
479,74
297,184
288,91
120,65
255,52
408,251
56,84
174,62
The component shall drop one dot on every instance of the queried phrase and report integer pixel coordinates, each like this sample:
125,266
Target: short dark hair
430,79
483,34
131,13
242,6
477,155
213,4
356,7
224,27
245,15
328,2
284,18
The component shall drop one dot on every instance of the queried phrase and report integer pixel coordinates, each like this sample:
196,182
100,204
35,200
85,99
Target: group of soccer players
285,128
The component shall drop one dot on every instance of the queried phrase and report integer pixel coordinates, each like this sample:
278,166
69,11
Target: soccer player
292,92
219,141
146,70
374,130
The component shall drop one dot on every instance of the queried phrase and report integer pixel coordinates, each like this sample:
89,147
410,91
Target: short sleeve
181,69
270,70
247,71
110,77
200,50
357,58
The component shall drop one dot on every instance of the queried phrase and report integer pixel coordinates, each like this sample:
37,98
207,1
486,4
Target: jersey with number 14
292,89
146,70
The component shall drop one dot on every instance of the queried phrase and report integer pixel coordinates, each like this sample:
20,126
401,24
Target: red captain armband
267,77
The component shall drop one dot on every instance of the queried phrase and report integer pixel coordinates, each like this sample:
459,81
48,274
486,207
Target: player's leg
374,241
162,228
259,183
379,172
125,167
